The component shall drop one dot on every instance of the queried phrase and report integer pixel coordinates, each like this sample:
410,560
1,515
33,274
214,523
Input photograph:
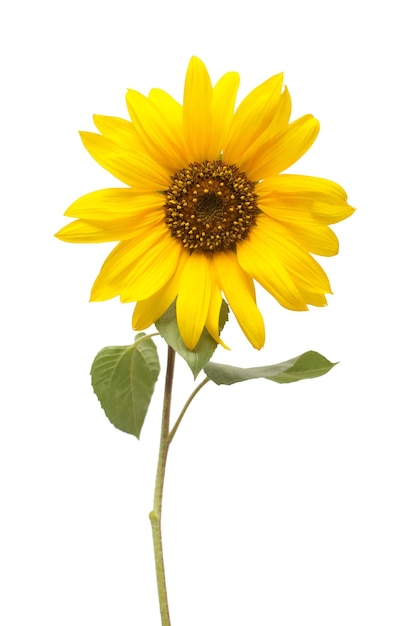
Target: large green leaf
123,378
196,359
307,365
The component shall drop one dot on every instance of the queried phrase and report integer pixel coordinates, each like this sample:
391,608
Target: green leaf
307,365
196,359
123,378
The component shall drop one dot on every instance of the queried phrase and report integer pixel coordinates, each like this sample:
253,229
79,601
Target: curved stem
184,409
155,515
166,438
144,337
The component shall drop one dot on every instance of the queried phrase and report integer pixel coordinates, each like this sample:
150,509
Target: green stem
166,438
186,406
155,515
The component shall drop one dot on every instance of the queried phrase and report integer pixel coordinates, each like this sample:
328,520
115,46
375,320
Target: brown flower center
210,206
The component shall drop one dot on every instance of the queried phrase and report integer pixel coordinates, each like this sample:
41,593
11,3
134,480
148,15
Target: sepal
196,359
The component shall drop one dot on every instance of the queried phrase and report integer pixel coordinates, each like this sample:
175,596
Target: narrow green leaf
196,359
123,378
308,365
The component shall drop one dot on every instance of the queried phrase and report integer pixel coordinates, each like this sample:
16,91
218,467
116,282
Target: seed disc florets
210,206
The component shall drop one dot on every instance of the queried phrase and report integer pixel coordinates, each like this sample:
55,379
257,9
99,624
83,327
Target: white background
285,505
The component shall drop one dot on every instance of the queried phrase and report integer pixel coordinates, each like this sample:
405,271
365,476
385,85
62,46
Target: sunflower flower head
206,209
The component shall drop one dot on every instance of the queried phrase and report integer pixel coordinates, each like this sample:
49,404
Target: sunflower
206,209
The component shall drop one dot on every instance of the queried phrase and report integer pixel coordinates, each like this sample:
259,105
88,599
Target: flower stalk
166,438
155,515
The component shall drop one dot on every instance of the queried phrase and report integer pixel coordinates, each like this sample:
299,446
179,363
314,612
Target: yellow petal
110,204
287,251
169,108
132,168
160,138
291,197
281,151
277,125
152,271
252,117
172,112
197,106
82,232
316,299
240,294
112,215
118,130
224,94
300,224
296,185
148,311
99,231
193,299
151,309
212,320
282,113
123,259
259,260
318,238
